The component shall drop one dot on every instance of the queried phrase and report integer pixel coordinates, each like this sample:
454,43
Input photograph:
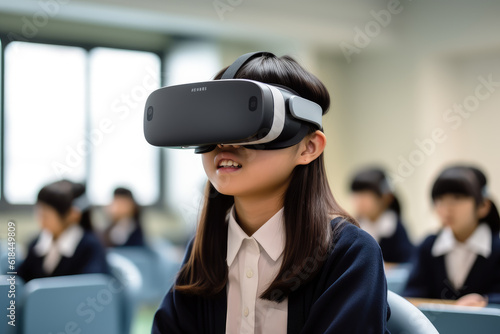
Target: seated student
461,262
66,245
379,213
273,251
125,214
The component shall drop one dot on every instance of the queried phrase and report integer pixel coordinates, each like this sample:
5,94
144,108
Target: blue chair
9,312
406,318
88,302
130,278
170,258
157,270
397,278
462,320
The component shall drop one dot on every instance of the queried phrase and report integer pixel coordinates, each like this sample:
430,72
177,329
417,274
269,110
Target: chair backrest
66,304
462,320
156,270
11,290
406,318
397,278
170,258
147,263
130,278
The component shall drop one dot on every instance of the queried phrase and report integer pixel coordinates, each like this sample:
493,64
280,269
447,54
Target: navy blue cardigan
428,278
397,248
136,238
348,295
89,258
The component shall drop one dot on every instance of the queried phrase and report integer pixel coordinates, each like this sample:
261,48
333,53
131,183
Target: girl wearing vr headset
66,245
461,262
379,213
273,251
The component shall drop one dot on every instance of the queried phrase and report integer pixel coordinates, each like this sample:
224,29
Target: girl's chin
230,190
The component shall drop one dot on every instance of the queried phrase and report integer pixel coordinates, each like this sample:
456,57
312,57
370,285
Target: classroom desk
417,301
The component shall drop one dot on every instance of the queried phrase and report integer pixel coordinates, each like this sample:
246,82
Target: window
1,134
75,114
120,82
44,117
188,62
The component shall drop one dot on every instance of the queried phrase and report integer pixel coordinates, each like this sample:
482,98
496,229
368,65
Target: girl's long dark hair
467,181
309,205
60,195
375,180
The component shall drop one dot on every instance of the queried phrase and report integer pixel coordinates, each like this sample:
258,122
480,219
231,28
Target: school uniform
347,295
75,252
125,233
391,236
447,269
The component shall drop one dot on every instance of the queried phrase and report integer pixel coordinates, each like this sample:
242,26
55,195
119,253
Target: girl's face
367,204
49,219
121,207
241,172
458,212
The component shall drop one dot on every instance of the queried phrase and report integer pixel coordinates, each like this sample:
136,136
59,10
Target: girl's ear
483,209
311,147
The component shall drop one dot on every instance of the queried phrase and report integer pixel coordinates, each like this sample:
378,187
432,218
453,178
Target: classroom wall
387,99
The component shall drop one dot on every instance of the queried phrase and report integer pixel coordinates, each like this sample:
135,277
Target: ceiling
323,23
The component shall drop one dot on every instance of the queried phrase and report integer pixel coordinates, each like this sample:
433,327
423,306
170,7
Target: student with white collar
125,228
66,245
461,262
378,212
273,251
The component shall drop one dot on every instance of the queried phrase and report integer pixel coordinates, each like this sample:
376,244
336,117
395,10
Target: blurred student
66,244
378,212
461,262
125,215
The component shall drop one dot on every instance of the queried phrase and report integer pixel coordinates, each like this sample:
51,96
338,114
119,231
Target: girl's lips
228,166
226,160
226,170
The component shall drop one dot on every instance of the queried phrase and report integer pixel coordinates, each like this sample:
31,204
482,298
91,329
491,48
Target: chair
87,303
170,258
129,276
460,320
406,318
397,278
157,271
5,303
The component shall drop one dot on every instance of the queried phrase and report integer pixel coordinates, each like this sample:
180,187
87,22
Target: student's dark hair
492,218
375,180
125,192
60,195
467,181
308,204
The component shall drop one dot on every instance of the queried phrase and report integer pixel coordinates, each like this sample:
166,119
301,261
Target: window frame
7,207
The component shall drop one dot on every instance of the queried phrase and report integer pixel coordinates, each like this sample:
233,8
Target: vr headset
229,111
